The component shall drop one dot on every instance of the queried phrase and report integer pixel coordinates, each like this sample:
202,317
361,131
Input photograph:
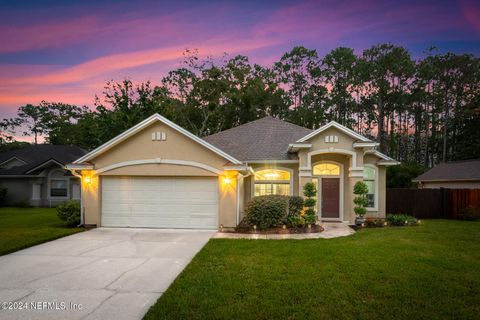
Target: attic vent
159,136
331,139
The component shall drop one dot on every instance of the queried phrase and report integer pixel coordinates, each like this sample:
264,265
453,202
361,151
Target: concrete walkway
331,230
112,273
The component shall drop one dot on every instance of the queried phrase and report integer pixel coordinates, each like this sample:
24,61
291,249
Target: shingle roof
458,170
263,139
38,154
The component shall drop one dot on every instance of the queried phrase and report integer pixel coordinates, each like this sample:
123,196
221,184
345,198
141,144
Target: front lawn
427,272
24,227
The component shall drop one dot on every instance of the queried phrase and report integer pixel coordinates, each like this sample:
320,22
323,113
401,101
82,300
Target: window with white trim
370,179
271,181
58,184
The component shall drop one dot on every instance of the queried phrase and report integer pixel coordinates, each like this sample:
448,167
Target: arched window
370,179
326,169
272,181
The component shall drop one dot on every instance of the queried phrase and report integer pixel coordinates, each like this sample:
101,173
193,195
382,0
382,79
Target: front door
330,198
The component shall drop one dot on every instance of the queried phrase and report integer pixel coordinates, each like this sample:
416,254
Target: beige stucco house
159,175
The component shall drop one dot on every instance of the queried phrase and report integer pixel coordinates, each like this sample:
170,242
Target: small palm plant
360,190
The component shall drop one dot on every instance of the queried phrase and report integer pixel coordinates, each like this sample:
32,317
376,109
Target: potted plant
360,191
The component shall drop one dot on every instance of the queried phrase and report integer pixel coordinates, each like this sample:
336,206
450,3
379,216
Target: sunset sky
66,50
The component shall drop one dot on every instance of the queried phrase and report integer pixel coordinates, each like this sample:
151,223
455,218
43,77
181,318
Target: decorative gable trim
145,123
45,163
385,160
337,125
10,159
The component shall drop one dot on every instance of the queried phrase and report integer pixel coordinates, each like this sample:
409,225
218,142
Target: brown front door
330,197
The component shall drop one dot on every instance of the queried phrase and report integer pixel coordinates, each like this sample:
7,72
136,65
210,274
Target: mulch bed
279,230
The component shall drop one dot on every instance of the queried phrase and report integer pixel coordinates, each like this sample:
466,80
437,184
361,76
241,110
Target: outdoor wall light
87,179
227,180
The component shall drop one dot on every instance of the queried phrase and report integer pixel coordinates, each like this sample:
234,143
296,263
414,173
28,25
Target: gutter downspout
82,209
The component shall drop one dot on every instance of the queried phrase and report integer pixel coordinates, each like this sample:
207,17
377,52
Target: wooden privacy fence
432,203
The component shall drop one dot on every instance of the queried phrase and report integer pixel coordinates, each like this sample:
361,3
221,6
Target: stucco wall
141,147
345,142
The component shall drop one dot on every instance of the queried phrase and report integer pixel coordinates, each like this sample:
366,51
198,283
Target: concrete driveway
103,273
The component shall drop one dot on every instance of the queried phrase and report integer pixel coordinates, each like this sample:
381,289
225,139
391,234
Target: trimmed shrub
295,206
69,212
3,195
267,211
401,220
360,190
310,191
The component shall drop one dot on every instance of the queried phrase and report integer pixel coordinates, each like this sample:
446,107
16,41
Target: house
157,174
36,176
455,175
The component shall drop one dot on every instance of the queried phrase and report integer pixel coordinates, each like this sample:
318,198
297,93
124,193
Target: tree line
423,111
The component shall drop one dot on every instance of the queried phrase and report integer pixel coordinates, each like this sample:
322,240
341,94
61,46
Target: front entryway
328,176
330,198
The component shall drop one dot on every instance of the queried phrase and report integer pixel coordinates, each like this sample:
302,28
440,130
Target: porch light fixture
87,179
227,180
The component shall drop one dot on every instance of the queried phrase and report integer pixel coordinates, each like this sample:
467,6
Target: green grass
24,227
427,272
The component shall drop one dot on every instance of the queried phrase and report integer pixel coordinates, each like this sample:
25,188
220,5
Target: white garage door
160,202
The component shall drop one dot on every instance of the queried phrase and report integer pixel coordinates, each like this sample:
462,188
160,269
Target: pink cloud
471,11
44,35
107,64
79,84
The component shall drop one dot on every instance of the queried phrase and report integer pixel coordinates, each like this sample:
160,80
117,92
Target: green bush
309,190
470,213
310,217
310,202
69,212
401,220
3,195
374,223
267,211
296,221
295,206
360,189
22,204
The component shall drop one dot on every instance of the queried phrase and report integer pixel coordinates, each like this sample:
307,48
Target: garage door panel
160,202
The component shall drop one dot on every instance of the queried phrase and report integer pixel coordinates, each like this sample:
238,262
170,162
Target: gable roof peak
339,126
142,125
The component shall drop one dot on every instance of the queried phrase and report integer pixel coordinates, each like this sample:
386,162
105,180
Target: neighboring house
455,175
36,175
158,174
